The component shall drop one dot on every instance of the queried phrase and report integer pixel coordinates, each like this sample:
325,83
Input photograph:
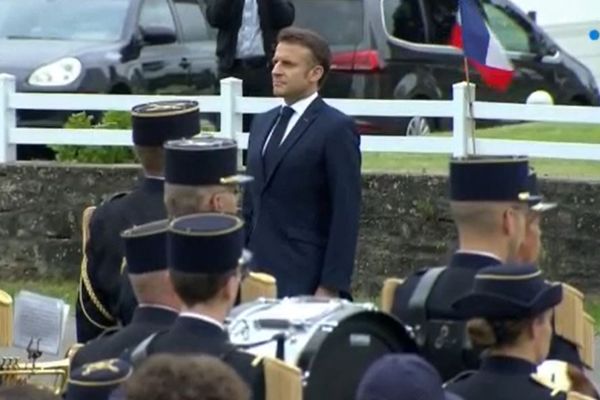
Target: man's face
295,72
226,200
529,251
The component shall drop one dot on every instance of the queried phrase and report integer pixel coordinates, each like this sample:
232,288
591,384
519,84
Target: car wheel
417,126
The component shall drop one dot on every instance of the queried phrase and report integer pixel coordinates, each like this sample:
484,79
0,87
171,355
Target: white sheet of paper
40,318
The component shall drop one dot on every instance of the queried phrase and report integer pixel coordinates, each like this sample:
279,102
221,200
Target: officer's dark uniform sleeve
92,315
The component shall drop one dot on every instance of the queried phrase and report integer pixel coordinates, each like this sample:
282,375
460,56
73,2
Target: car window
340,22
404,20
91,20
512,35
157,13
194,26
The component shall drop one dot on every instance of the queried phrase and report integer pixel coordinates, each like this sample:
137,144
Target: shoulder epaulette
547,383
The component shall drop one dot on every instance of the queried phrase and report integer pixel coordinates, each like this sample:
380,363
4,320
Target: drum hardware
323,338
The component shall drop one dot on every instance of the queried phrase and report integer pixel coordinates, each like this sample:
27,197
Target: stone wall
404,224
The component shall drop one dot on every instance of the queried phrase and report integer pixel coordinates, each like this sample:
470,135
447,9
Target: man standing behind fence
247,32
303,207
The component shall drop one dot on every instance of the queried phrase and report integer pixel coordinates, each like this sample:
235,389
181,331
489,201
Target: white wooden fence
230,104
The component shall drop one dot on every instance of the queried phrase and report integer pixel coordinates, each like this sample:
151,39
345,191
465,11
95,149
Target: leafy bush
97,154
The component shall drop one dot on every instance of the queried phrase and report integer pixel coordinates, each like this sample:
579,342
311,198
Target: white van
569,24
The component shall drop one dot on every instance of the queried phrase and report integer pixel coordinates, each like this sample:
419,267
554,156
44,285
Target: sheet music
40,318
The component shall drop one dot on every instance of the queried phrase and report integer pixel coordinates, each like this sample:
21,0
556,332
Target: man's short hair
181,200
167,376
152,159
311,40
193,289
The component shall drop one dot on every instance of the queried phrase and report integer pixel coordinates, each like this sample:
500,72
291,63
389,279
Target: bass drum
333,342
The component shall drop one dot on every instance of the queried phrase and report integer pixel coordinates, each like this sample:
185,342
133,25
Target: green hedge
97,154
104,154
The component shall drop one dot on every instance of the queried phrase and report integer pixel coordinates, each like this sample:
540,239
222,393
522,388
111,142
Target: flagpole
470,101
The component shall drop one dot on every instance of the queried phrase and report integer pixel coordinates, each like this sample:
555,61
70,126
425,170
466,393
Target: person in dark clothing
490,198
100,306
206,264
145,252
510,316
247,30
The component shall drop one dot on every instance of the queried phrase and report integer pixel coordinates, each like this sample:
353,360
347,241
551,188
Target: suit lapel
296,133
262,134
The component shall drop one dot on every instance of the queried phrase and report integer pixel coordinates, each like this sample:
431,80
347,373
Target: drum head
345,353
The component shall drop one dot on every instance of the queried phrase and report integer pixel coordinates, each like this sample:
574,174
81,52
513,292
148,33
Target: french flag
481,47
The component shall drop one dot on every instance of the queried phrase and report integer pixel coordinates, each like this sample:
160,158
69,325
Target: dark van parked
398,49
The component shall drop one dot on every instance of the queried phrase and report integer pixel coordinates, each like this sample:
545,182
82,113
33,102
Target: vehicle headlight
60,73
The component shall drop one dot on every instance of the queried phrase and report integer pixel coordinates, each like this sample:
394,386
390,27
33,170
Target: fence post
231,121
463,95
8,120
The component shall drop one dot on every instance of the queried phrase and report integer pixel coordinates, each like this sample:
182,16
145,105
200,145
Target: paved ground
70,339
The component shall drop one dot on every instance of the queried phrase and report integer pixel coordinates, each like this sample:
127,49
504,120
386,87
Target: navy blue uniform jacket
302,219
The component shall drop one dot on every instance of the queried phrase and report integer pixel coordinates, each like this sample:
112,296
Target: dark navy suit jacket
302,218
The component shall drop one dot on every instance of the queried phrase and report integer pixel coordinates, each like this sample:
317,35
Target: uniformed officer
145,252
98,380
206,264
566,345
510,316
214,184
99,306
490,199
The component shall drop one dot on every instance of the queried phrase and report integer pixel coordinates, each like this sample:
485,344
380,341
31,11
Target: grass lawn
66,290
438,164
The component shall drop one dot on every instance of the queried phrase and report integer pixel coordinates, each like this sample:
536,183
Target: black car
106,46
398,49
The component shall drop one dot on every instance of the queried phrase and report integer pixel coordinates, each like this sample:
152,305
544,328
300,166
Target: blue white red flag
481,47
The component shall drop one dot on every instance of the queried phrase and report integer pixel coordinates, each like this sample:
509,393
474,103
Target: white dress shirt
299,108
189,314
250,39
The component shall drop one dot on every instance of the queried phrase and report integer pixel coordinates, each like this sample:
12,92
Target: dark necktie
275,140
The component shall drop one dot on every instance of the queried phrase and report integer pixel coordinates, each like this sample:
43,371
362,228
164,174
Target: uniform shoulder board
421,271
555,390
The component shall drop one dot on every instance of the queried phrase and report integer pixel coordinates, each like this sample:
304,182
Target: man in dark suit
302,210
490,199
100,306
206,265
145,252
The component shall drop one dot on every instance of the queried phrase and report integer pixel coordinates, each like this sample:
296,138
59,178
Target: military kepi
539,205
202,161
509,291
146,247
206,244
499,178
155,123
96,381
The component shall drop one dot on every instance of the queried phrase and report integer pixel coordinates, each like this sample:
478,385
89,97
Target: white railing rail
231,104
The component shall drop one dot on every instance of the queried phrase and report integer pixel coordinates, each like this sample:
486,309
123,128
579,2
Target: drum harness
443,342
